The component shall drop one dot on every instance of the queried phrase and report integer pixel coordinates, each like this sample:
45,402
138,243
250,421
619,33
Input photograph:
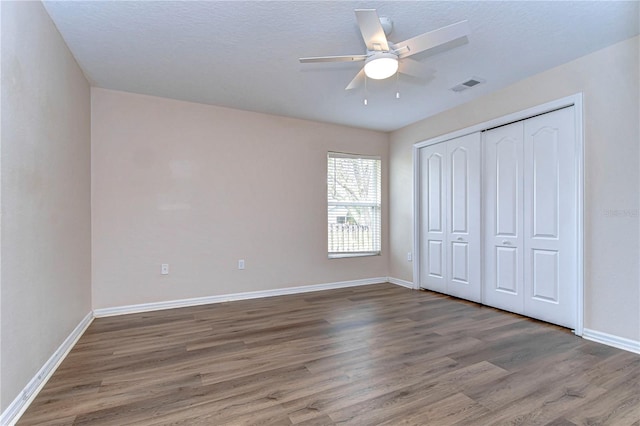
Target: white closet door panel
435,189
460,263
544,279
507,170
463,212
459,158
433,256
506,269
550,251
436,259
503,242
542,183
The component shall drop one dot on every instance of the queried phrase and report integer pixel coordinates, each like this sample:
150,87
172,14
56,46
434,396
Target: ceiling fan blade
413,68
371,29
357,80
349,58
434,38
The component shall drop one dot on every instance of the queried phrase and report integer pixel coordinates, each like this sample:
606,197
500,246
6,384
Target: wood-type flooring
370,355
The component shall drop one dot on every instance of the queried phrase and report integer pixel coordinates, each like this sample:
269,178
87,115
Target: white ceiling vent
473,81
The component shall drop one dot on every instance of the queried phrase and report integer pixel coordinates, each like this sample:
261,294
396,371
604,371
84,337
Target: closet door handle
460,239
506,243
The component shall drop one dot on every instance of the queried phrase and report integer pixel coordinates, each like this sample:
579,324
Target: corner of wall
2,404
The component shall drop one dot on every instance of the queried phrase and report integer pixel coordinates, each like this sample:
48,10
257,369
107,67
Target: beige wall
199,187
45,175
609,81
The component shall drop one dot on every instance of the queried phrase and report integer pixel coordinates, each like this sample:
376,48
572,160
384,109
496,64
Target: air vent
473,81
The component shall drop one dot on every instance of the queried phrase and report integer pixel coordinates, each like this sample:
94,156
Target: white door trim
573,100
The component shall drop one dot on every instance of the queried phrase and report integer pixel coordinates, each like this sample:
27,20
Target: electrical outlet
409,257
164,269
241,264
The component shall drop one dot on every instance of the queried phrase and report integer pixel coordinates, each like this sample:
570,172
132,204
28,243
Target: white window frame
376,233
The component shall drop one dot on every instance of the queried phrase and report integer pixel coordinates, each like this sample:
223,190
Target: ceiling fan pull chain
397,85
365,90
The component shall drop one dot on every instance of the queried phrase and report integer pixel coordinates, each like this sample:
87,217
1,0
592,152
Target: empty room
320,213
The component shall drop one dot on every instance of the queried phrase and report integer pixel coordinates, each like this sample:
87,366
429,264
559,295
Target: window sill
343,255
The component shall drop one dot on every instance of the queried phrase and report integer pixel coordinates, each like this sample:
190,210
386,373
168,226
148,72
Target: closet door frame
573,100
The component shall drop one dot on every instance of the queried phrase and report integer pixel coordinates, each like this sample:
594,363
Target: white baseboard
155,306
398,281
13,412
611,340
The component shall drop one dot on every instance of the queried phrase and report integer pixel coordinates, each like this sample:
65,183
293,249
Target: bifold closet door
550,217
463,217
450,217
530,217
503,218
432,222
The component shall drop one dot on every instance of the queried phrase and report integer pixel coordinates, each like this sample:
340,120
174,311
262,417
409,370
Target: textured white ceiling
244,54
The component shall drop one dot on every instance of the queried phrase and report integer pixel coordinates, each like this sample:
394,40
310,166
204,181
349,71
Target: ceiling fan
384,58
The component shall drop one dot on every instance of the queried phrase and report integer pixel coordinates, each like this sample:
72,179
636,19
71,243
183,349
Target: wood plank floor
372,355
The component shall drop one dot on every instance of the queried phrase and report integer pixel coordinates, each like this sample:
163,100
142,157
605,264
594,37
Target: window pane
353,194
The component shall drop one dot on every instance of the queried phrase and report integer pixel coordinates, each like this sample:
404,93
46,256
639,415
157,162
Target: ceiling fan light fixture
381,65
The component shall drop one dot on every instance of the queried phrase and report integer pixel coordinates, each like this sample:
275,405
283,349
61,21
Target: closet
498,217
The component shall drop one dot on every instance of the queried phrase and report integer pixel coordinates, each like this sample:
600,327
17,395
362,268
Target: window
353,195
